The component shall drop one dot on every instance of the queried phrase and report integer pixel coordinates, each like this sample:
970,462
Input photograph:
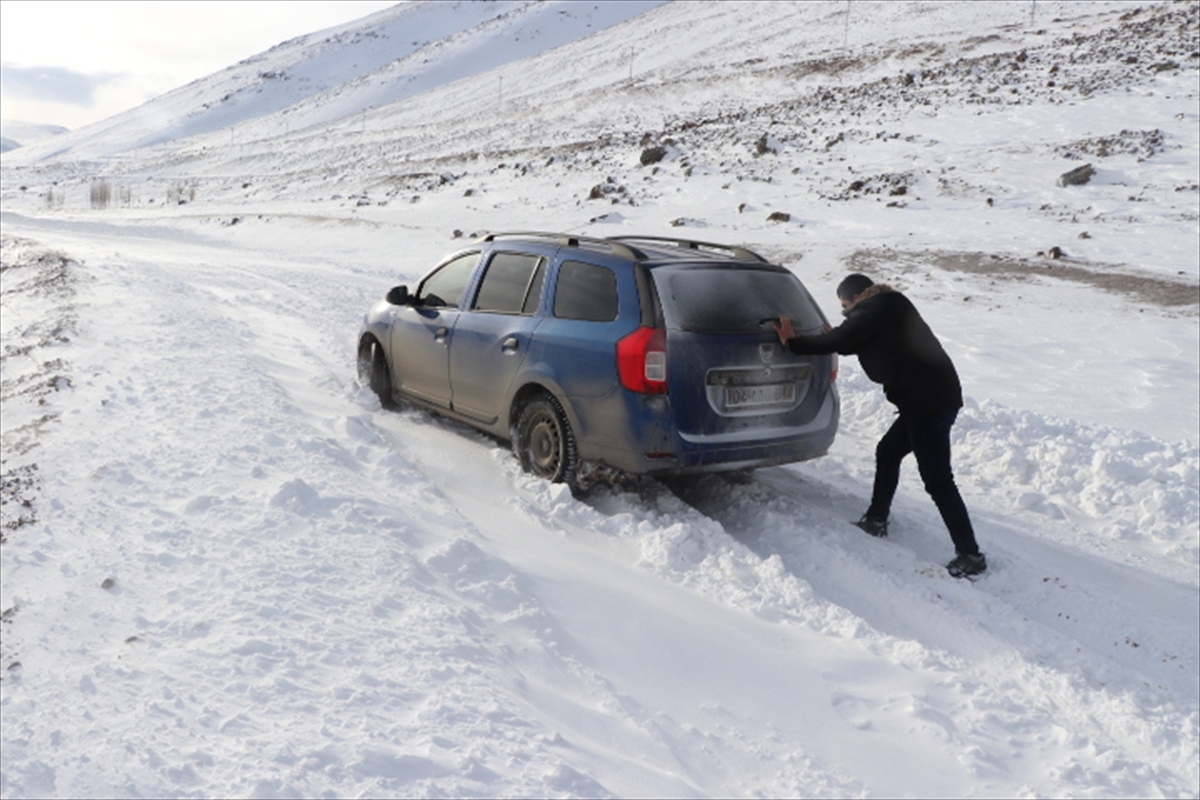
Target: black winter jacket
896,348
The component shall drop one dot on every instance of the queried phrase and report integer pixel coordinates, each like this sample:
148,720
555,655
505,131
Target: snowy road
312,596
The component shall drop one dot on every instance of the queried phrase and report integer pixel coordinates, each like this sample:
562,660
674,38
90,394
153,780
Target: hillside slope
18,134
380,59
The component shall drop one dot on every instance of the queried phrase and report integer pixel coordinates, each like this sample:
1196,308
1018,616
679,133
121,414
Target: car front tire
373,371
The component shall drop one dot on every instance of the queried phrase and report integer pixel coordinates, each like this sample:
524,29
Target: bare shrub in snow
101,193
181,193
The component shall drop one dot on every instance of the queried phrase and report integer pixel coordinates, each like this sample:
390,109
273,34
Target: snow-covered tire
544,443
373,371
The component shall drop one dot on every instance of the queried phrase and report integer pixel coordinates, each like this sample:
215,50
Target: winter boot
964,566
872,525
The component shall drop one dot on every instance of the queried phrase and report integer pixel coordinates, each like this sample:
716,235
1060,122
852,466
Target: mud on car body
641,355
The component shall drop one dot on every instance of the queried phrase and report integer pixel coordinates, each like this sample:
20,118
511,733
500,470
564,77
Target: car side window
511,285
444,288
586,292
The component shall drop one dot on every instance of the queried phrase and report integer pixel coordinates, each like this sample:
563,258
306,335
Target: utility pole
846,32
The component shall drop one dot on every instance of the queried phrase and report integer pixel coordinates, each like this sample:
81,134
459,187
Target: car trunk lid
726,369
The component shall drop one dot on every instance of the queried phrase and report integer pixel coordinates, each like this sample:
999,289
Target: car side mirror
399,296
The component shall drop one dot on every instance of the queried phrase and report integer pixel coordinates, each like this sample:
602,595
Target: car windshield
723,300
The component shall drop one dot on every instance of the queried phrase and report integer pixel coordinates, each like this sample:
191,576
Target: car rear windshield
721,299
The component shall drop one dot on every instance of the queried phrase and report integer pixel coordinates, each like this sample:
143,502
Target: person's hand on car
784,330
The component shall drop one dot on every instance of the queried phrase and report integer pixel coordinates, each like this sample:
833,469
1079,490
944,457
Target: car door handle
509,345
440,334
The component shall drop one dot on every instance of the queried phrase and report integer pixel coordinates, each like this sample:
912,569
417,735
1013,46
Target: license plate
773,394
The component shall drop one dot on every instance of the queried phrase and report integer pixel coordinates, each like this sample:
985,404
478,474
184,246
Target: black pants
928,438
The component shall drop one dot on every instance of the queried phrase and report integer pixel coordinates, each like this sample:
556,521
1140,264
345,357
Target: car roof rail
690,244
573,240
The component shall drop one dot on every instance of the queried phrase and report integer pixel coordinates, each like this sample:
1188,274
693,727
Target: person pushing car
897,348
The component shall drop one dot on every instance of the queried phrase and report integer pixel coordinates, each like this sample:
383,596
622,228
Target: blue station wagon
598,357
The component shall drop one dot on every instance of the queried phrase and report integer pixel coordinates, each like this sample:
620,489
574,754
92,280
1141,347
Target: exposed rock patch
1163,292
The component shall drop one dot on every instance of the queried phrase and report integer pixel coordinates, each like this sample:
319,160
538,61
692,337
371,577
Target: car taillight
642,361
833,369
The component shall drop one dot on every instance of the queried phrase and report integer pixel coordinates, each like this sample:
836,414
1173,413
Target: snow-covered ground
228,572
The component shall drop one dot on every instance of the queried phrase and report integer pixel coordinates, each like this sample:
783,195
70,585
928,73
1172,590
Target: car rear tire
544,443
373,371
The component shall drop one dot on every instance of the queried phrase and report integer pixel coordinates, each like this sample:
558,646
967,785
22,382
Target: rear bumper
729,451
711,460
762,448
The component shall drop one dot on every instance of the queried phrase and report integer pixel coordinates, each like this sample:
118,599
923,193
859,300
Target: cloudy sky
72,63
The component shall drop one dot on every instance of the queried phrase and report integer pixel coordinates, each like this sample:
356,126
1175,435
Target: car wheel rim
545,445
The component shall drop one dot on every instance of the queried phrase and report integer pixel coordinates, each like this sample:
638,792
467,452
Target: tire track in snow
273,597
608,723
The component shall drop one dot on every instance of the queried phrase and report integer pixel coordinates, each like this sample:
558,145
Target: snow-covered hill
17,133
325,76
228,572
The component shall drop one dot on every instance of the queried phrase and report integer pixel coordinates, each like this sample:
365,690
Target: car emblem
766,352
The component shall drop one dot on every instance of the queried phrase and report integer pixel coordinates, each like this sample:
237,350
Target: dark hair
853,286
